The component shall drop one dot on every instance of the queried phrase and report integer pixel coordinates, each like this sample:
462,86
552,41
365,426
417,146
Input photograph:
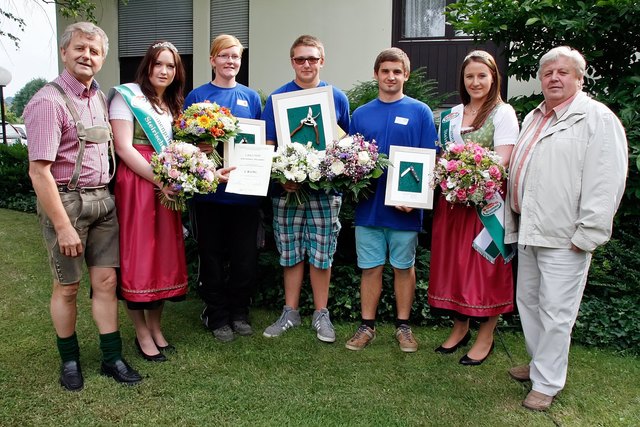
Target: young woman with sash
467,280
226,224
152,257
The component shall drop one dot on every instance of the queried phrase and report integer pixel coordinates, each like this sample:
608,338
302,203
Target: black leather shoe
121,372
449,350
151,358
169,348
467,361
71,376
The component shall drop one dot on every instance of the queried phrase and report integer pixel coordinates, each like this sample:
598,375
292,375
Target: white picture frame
409,177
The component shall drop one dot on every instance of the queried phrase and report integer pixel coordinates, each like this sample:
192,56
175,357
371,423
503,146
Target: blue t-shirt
339,99
407,123
243,102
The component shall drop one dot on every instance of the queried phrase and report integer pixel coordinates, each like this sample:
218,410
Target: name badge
242,102
402,121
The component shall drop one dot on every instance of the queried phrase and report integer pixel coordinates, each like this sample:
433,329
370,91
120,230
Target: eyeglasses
301,60
234,58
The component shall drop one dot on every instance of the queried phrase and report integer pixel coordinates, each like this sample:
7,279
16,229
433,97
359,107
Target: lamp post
5,78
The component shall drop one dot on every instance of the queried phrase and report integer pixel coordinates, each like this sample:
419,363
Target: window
423,18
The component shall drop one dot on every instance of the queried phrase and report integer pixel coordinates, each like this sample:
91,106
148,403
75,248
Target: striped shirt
53,136
525,147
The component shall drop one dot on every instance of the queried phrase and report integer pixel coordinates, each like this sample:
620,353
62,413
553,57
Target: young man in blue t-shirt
311,228
381,231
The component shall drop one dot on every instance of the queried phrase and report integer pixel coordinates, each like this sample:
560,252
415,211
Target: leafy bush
16,191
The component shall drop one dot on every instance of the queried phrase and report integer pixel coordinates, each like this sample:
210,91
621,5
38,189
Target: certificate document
253,170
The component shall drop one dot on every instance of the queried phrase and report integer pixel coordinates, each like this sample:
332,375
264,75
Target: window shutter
141,22
230,17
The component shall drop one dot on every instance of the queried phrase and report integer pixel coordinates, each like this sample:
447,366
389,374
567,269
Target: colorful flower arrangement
298,163
469,174
206,121
184,169
350,164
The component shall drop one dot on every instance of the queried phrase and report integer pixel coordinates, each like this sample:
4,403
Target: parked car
15,134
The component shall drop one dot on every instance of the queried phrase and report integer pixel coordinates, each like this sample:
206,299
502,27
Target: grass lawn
292,380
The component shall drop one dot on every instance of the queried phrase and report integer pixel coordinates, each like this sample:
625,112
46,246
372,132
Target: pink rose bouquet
186,170
469,174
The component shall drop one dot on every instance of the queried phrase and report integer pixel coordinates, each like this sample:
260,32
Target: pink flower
173,173
490,185
457,148
461,194
452,165
494,171
477,158
463,172
472,189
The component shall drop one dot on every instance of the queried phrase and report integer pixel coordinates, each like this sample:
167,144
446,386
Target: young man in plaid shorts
310,228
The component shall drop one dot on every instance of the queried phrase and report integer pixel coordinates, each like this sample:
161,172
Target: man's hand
575,248
69,241
404,209
291,186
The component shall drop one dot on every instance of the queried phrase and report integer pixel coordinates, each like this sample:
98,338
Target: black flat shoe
169,348
121,372
150,357
449,350
71,376
467,361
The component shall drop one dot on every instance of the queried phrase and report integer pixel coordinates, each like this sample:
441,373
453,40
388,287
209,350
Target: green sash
490,242
146,115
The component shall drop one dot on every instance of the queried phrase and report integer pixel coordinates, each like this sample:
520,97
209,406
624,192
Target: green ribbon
146,116
490,242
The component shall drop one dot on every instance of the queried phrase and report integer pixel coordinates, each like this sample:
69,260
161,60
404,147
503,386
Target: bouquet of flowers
350,164
186,170
298,163
206,121
468,173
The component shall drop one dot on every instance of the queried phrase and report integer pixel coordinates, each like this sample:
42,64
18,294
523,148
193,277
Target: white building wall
353,33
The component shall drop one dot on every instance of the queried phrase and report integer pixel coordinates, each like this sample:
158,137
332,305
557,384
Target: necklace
470,110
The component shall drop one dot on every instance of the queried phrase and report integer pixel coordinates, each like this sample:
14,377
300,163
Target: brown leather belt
65,189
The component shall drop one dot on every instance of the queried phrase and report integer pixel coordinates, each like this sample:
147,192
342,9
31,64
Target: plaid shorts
310,228
93,214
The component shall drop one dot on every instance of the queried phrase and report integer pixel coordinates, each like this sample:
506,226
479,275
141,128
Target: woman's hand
223,173
291,186
205,148
167,191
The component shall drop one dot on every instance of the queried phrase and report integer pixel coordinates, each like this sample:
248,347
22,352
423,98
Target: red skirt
152,258
461,279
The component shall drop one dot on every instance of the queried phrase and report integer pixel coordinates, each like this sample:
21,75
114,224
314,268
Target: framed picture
251,132
409,177
306,115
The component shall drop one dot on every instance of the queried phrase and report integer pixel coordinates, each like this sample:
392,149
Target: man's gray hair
87,28
568,52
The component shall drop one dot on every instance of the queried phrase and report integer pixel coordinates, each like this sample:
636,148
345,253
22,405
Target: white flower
363,158
345,142
299,175
315,175
337,167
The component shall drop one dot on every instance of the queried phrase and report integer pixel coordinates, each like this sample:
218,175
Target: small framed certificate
252,172
251,132
409,177
305,116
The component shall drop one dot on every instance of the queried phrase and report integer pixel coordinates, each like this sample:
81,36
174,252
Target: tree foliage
24,95
604,31
74,9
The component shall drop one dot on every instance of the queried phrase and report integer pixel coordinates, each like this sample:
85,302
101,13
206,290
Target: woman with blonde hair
225,224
